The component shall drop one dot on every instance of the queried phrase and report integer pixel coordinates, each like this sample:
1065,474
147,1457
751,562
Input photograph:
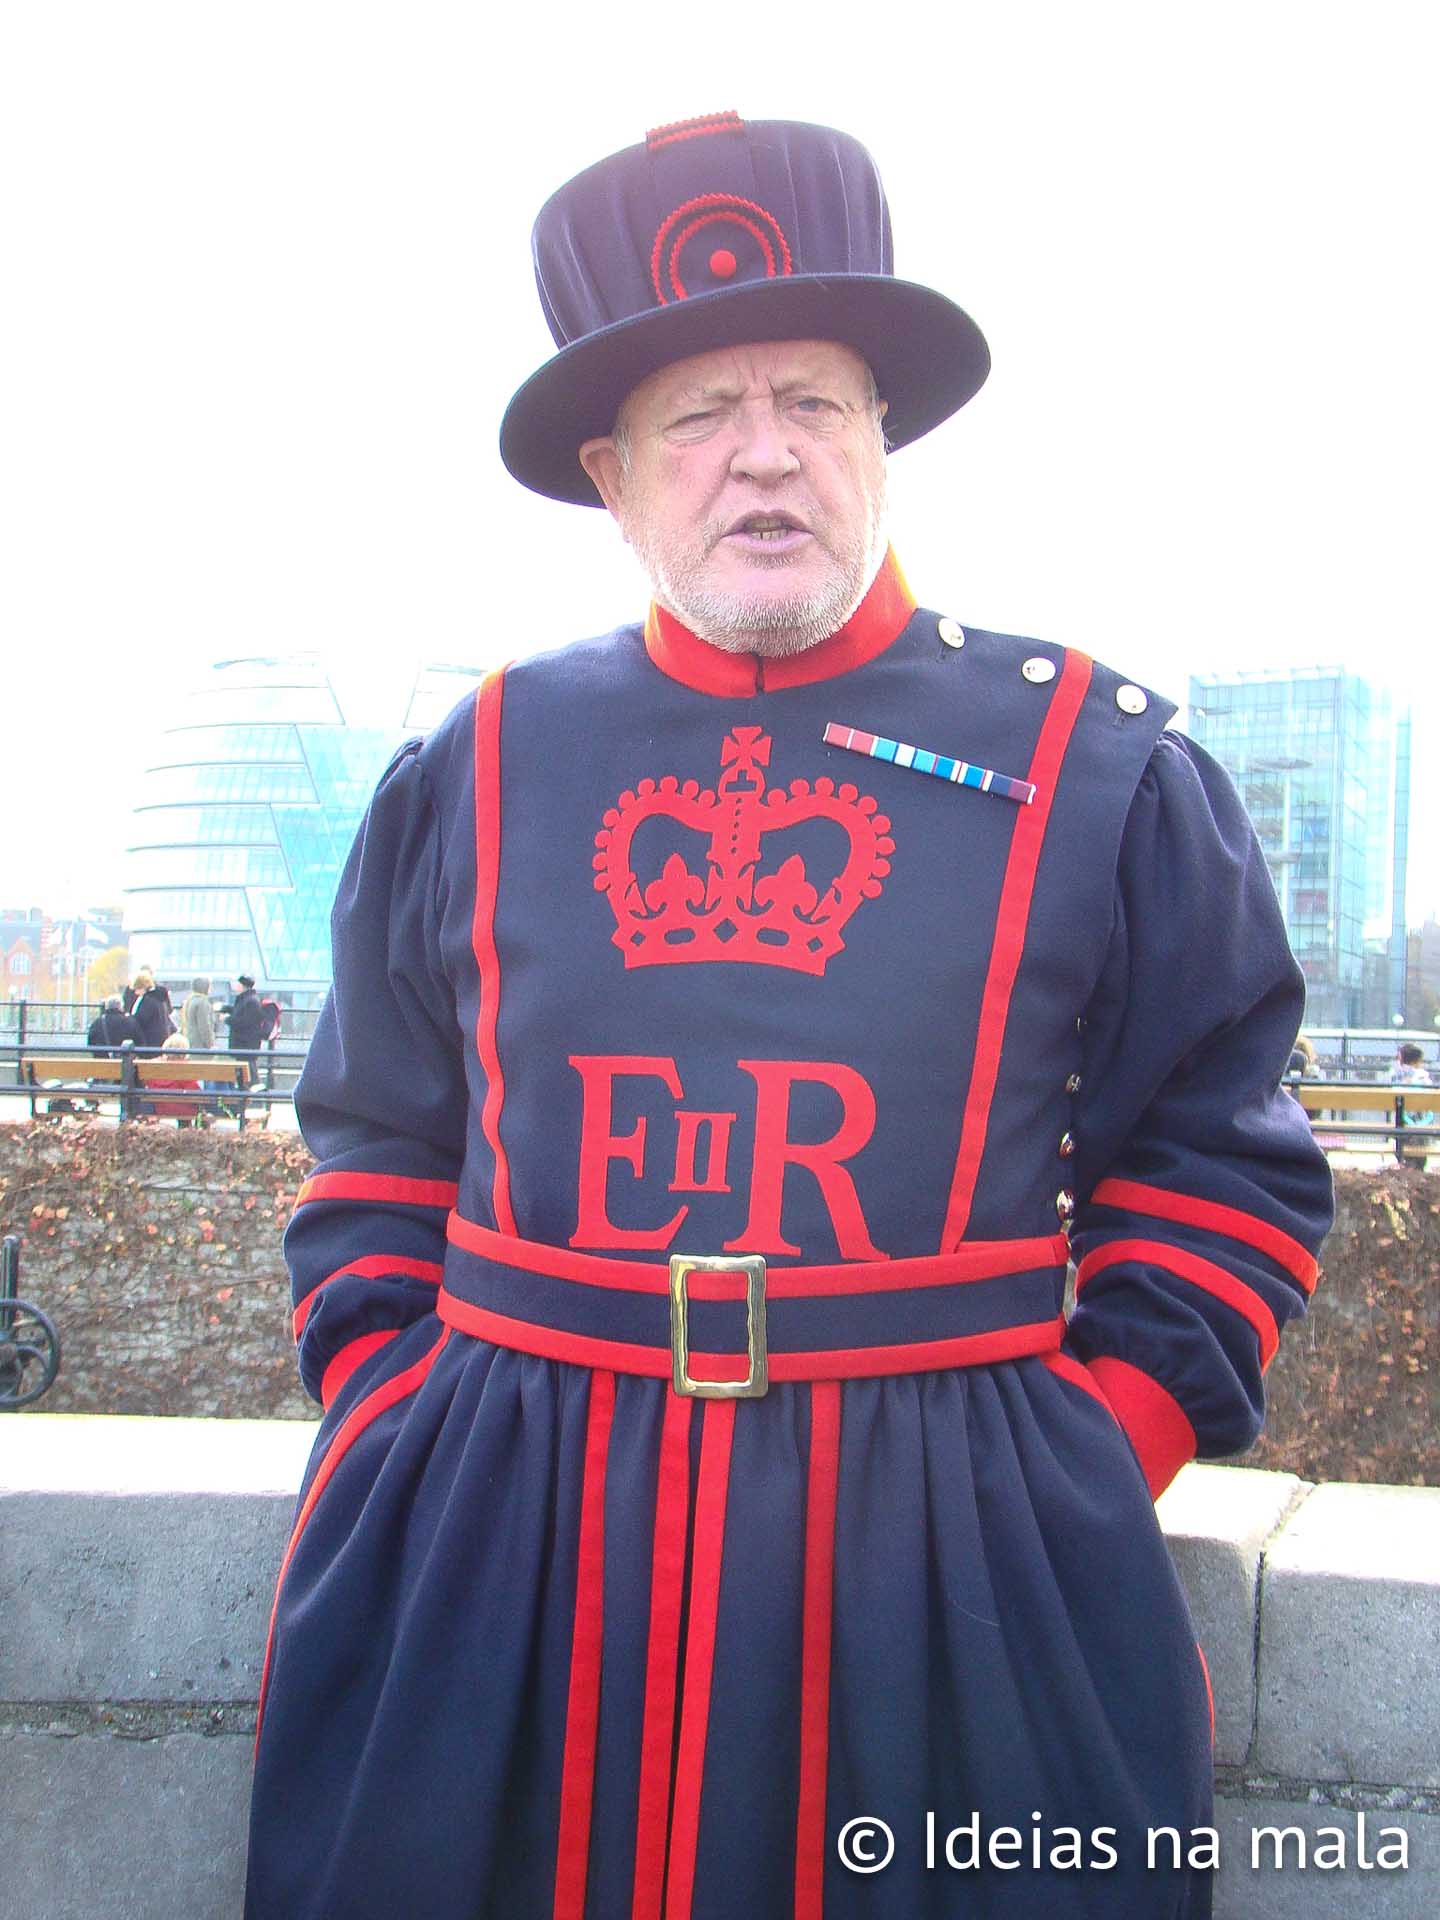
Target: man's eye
692,422
815,405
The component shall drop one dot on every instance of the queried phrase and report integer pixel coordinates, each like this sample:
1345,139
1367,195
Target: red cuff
348,1359
1153,1419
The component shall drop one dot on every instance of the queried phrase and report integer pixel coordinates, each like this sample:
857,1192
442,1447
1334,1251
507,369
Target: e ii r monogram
701,1150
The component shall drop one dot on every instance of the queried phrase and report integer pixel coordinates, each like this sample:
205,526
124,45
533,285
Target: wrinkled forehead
732,373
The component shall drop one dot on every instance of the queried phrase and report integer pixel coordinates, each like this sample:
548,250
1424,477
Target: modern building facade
249,808
1322,760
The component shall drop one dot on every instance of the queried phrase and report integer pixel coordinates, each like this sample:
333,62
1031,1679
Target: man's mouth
770,529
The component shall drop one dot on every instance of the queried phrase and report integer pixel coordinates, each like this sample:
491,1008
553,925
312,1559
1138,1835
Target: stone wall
1354,1393
137,1561
156,1252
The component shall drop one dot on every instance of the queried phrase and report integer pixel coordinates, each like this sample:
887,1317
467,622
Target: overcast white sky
268,292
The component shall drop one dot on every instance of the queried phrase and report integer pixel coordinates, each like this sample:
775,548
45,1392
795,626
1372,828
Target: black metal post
9,1280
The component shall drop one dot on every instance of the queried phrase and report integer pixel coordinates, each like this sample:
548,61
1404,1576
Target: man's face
751,484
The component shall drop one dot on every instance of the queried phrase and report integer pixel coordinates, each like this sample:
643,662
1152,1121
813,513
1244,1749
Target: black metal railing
66,1023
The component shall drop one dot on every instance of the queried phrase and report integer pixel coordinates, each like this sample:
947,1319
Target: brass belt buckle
757,1381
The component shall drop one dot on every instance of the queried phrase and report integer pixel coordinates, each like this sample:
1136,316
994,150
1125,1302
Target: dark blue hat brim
927,355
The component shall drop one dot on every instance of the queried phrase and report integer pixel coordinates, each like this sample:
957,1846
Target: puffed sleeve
1201,1197
381,1101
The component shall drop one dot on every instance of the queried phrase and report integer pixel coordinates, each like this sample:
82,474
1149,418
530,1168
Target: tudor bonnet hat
712,233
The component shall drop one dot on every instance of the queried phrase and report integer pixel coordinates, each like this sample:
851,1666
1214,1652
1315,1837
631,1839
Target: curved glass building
249,808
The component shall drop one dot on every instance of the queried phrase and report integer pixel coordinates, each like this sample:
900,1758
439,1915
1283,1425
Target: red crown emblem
773,918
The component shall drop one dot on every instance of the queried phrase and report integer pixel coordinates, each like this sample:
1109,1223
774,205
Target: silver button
1039,670
1065,1205
1067,1145
1072,1085
952,633
1131,699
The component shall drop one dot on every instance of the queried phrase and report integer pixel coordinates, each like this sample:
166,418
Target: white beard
761,624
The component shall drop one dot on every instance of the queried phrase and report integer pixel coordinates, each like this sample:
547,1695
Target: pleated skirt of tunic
551,1641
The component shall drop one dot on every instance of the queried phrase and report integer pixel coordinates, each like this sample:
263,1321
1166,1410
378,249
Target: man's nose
763,447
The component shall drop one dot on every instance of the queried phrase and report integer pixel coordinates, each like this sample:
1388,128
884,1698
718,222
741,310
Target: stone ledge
1353,1891
1351,1594
1217,1522
134,1453
138,1556
137,1596
132,1829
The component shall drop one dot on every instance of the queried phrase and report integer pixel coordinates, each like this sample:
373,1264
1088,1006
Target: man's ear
601,461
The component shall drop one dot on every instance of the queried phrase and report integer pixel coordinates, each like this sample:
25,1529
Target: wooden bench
1324,1100
83,1074
156,1070
67,1075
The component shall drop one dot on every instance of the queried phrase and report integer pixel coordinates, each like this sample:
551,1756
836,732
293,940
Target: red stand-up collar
878,620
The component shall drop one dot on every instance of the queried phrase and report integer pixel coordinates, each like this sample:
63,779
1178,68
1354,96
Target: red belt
987,1301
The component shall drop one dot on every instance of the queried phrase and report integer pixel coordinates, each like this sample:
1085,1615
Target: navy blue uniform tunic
632,960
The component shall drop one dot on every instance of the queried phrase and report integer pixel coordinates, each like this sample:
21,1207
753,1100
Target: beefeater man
737,1022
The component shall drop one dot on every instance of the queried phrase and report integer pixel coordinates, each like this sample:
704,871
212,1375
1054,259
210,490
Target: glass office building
248,811
1322,761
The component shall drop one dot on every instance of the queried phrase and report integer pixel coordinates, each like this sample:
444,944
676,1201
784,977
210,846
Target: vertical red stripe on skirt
487,957
582,1719
1009,942
710,1496
815,1649
667,1585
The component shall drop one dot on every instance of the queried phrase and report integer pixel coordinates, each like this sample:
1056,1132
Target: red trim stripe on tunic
976,1260
815,1649
487,880
582,1717
1155,1423
829,1363
1009,942
1149,1416
372,1266
711,1491
390,1189
667,1586
349,1431
1209,1690
1068,1368
352,1355
1199,1272
1136,1196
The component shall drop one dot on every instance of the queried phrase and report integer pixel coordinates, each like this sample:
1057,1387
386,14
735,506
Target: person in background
1410,1070
1302,1058
151,1011
271,1013
112,1028
197,1017
182,1112
244,1016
